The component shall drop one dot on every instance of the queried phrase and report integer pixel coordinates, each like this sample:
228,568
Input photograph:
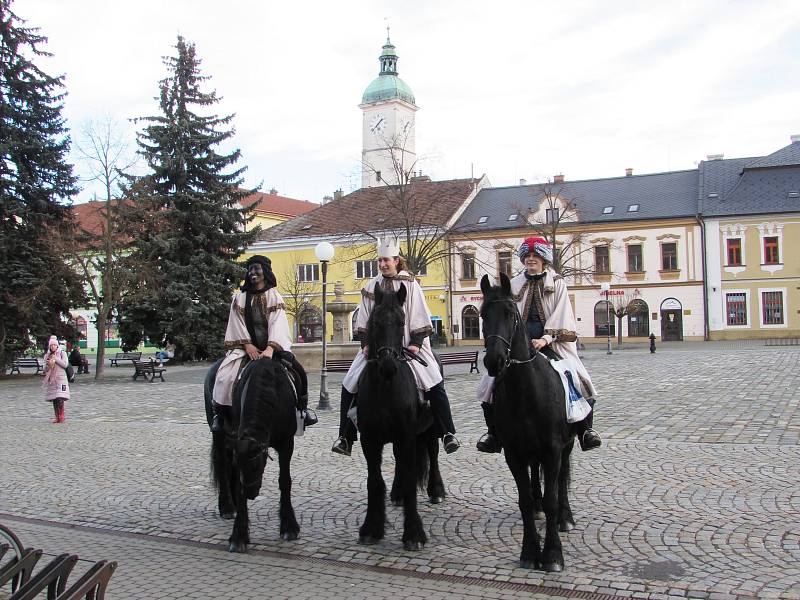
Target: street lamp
324,252
605,287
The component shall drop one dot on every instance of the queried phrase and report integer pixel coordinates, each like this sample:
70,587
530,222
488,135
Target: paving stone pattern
693,495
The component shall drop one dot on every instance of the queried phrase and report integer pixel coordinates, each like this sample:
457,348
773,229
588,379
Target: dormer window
608,210
482,220
512,217
306,227
633,208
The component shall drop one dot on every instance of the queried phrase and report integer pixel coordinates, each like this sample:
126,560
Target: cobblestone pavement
693,494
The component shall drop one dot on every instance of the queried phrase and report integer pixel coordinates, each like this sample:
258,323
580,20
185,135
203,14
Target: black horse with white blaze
531,422
389,411
262,417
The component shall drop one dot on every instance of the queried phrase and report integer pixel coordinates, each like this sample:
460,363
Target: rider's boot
489,441
440,407
310,416
216,421
588,438
347,431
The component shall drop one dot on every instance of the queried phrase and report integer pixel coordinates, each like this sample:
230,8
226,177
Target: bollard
652,343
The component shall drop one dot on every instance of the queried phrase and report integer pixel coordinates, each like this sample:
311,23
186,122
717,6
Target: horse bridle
517,321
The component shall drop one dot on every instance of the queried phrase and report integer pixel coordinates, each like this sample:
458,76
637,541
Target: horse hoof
413,546
539,515
526,564
239,548
227,515
566,526
436,499
289,536
553,568
397,502
367,540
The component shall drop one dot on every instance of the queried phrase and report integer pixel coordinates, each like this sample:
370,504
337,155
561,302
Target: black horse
262,417
531,422
389,411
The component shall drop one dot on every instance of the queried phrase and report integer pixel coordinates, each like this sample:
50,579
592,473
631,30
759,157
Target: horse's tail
423,462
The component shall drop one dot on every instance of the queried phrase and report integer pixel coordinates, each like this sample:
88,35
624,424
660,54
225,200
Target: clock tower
388,135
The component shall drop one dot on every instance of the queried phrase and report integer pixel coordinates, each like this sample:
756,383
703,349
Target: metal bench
455,358
148,369
338,364
17,564
131,356
26,363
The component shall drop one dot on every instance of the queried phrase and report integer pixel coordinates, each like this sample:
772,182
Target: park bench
17,564
131,356
148,369
455,358
338,364
26,363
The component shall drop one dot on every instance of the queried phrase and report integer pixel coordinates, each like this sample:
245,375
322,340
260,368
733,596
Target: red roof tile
278,205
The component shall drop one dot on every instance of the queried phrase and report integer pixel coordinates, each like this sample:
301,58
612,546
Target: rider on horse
541,296
394,273
257,327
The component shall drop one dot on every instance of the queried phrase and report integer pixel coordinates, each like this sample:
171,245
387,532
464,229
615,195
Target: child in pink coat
56,383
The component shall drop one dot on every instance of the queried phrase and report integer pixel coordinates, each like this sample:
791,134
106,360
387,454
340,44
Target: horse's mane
377,324
261,401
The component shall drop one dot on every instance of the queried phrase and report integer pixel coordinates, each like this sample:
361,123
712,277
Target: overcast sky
511,89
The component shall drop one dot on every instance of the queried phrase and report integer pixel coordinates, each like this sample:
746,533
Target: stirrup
589,440
489,443
310,418
216,424
450,442
341,446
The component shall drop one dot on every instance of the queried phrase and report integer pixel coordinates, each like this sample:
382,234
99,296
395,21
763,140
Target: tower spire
388,58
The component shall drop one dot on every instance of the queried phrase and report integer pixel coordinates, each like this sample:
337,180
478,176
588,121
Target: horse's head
386,326
254,402
501,321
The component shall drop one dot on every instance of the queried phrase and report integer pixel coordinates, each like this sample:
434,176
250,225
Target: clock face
377,124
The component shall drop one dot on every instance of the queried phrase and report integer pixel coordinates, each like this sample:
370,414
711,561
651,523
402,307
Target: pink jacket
55,382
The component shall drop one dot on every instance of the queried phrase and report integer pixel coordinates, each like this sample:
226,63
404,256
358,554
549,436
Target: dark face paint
256,275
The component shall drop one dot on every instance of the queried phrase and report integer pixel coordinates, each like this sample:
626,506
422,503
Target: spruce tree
189,218
36,286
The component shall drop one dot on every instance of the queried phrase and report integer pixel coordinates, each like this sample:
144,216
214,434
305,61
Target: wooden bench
26,363
131,356
455,358
341,365
16,573
148,369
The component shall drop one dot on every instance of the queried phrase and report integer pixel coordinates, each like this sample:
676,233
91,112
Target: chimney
273,192
326,199
715,156
795,137
523,182
628,172
558,178
337,194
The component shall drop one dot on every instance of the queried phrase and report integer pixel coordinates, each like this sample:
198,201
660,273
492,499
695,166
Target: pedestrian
77,360
167,353
394,272
257,328
55,383
543,303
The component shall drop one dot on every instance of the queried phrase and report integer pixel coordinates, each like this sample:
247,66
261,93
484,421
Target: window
366,269
377,176
603,319
422,267
482,220
601,260
82,326
468,266
638,314
633,208
308,272
772,308
309,324
306,227
771,256
734,252
470,323
635,258
551,215
608,210
736,308
504,262
669,256
512,217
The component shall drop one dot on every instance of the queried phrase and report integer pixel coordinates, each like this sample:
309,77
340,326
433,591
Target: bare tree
101,238
297,288
623,305
556,218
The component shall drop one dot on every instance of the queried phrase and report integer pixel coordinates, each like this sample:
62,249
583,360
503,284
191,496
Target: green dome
387,87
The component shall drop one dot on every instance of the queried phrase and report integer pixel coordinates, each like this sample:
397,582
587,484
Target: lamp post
324,252
605,287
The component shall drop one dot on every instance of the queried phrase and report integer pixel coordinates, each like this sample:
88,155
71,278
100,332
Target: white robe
418,321
559,328
236,336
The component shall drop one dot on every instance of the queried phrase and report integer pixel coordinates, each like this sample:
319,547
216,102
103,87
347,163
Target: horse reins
509,360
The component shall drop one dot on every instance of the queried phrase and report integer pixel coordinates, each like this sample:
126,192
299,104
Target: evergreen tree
36,286
188,219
